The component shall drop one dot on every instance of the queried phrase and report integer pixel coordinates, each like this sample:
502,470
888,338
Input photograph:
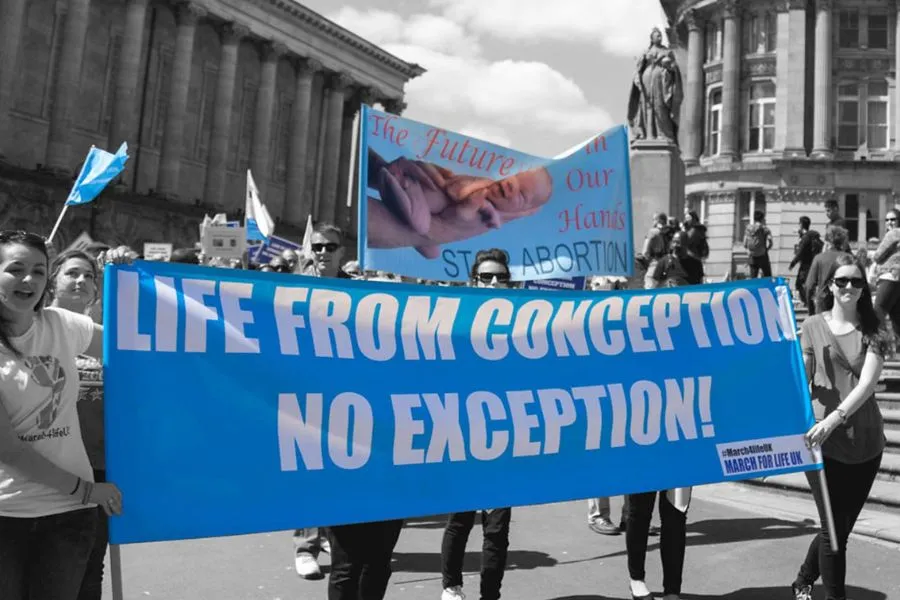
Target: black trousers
495,526
800,284
849,487
92,584
672,538
760,266
887,302
361,559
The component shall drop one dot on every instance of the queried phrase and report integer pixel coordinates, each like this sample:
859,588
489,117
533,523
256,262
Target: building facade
787,104
201,91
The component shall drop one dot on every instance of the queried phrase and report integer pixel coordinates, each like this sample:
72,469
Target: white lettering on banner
236,340
199,313
298,431
166,314
494,312
381,326
430,329
428,429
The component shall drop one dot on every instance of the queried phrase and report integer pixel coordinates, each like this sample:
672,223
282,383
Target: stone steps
885,493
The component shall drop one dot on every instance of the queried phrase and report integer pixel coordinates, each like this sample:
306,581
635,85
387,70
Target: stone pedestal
657,185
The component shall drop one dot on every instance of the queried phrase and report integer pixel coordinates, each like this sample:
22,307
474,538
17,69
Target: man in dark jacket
835,240
805,251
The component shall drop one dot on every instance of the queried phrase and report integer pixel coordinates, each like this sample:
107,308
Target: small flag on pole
100,167
256,218
306,247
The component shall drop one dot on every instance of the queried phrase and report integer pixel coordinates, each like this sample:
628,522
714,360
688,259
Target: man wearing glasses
327,244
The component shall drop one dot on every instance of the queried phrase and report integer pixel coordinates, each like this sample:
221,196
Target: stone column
173,134
367,96
340,85
260,146
68,82
296,206
342,211
822,76
731,81
693,93
791,79
123,127
214,192
12,21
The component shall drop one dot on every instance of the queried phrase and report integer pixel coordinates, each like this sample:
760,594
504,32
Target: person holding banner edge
489,270
47,494
74,286
844,348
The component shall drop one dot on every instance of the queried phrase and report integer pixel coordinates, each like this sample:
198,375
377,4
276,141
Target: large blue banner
431,199
240,402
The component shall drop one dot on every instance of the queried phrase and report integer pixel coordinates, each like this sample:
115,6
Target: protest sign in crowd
496,364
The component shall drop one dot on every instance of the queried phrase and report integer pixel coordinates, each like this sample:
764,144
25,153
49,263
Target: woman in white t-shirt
47,494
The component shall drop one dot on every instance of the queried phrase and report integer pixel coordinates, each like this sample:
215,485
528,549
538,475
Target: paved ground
742,545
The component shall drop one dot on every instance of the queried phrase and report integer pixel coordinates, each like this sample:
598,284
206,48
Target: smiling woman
47,489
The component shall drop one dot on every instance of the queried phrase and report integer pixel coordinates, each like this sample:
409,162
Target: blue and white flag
257,220
100,167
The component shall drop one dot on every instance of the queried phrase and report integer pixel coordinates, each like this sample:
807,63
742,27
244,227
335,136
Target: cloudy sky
536,75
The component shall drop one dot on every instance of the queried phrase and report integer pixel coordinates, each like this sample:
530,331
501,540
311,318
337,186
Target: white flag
256,218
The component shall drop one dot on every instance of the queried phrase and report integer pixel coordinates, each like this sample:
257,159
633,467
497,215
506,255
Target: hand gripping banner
241,402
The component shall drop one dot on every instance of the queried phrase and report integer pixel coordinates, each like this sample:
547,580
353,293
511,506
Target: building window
877,32
760,33
848,116
697,203
877,115
713,41
761,117
714,122
748,203
867,103
848,29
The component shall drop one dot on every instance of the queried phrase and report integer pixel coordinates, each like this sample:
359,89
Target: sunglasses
489,277
856,282
329,247
33,238
890,219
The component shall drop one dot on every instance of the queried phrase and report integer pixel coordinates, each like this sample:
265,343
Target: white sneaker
325,545
453,593
307,567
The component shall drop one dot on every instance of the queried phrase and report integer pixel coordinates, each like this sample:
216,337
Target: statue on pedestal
656,94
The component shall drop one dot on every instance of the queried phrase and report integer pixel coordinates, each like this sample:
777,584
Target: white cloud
501,101
494,135
619,26
423,30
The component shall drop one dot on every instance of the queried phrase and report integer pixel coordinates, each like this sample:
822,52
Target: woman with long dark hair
844,347
74,285
48,497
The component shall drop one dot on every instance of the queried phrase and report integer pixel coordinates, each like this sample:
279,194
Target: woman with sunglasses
48,497
887,271
844,348
490,270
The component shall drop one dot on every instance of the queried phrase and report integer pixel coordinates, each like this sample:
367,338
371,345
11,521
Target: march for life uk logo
430,199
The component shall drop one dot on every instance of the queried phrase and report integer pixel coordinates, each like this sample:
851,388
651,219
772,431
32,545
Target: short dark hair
836,236
805,222
758,216
832,203
494,254
326,228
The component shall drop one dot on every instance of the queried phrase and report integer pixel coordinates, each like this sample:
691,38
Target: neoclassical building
787,104
201,90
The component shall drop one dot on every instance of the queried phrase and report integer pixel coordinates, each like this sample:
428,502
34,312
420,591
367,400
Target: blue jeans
44,558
